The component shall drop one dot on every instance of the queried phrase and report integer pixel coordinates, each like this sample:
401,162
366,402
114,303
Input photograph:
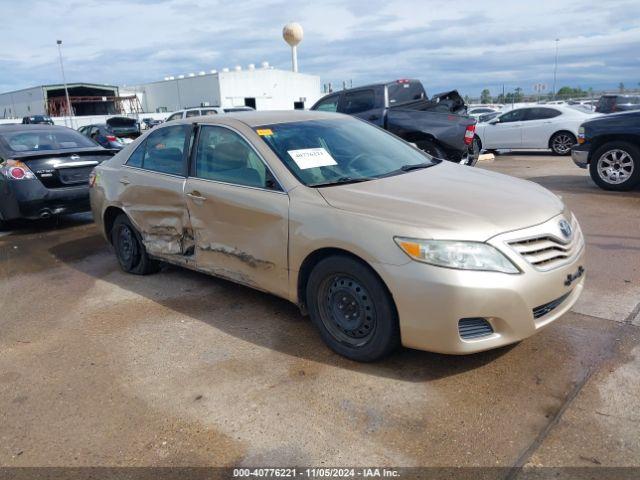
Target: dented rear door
238,213
152,184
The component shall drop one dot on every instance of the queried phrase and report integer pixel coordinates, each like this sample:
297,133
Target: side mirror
493,121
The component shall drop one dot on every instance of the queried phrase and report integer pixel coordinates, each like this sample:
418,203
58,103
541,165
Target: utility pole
64,82
555,70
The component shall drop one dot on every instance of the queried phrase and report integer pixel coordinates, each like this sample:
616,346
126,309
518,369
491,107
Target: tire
432,149
616,166
561,143
352,309
130,251
474,152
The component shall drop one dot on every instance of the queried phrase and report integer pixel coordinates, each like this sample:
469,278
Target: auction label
311,158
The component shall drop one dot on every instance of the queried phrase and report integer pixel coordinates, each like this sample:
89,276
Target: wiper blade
342,181
415,166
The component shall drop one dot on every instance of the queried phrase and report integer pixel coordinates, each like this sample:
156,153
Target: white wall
273,89
22,103
179,93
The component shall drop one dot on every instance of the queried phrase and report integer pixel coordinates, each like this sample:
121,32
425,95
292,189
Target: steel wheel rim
562,143
127,246
347,310
615,166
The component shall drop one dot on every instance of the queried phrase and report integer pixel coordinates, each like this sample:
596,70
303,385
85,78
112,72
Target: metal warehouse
85,98
263,88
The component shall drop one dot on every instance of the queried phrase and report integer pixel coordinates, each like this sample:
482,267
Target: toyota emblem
565,228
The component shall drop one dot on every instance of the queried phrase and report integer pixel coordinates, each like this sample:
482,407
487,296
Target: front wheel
561,143
130,251
352,309
616,166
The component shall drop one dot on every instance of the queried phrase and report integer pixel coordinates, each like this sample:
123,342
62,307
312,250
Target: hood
449,201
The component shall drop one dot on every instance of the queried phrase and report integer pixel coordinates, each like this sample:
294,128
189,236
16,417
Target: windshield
42,140
328,152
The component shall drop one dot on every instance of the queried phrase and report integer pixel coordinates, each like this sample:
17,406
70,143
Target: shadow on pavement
256,317
27,227
579,184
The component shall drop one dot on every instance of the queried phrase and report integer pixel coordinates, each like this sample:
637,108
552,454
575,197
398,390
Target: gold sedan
380,243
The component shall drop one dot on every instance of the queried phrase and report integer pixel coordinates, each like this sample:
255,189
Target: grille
547,252
542,310
474,328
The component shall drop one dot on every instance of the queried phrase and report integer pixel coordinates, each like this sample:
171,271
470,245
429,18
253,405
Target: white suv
199,111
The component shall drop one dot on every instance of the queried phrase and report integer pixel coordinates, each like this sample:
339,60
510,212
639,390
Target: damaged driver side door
152,185
238,211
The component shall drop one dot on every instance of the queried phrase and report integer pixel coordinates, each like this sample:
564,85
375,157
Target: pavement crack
609,352
530,450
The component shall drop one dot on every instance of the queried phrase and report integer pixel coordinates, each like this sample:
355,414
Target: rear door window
164,150
193,113
542,113
359,101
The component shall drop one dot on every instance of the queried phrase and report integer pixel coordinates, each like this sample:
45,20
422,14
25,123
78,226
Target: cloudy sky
469,45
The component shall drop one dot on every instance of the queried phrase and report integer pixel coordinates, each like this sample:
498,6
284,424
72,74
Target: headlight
461,255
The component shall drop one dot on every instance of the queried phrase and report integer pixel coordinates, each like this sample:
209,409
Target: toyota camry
378,242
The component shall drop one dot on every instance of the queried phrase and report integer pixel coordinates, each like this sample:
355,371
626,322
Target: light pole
64,81
555,70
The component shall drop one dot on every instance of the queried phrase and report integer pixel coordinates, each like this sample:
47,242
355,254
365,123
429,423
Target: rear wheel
616,166
352,309
561,143
474,153
130,251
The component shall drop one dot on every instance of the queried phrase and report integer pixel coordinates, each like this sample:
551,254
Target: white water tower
292,34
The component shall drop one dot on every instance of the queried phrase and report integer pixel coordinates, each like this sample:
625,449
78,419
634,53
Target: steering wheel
363,157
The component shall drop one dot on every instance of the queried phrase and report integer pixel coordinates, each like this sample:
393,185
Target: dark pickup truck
609,146
439,125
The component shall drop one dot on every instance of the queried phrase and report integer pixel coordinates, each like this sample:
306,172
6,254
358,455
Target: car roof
254,118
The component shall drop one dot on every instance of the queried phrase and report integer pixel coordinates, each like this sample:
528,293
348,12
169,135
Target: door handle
124,181
196,196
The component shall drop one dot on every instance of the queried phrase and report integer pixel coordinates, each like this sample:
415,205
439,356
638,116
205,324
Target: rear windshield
405,92
43,140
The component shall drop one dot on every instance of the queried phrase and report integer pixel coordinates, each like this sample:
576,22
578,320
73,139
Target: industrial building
85,98
262,88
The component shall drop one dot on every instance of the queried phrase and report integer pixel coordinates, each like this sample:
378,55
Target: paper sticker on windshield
311,158
264,132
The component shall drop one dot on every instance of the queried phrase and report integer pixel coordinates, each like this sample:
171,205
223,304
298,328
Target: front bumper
31,200
580,155
431,300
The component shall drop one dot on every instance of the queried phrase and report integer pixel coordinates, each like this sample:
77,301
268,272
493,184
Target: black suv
610,147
